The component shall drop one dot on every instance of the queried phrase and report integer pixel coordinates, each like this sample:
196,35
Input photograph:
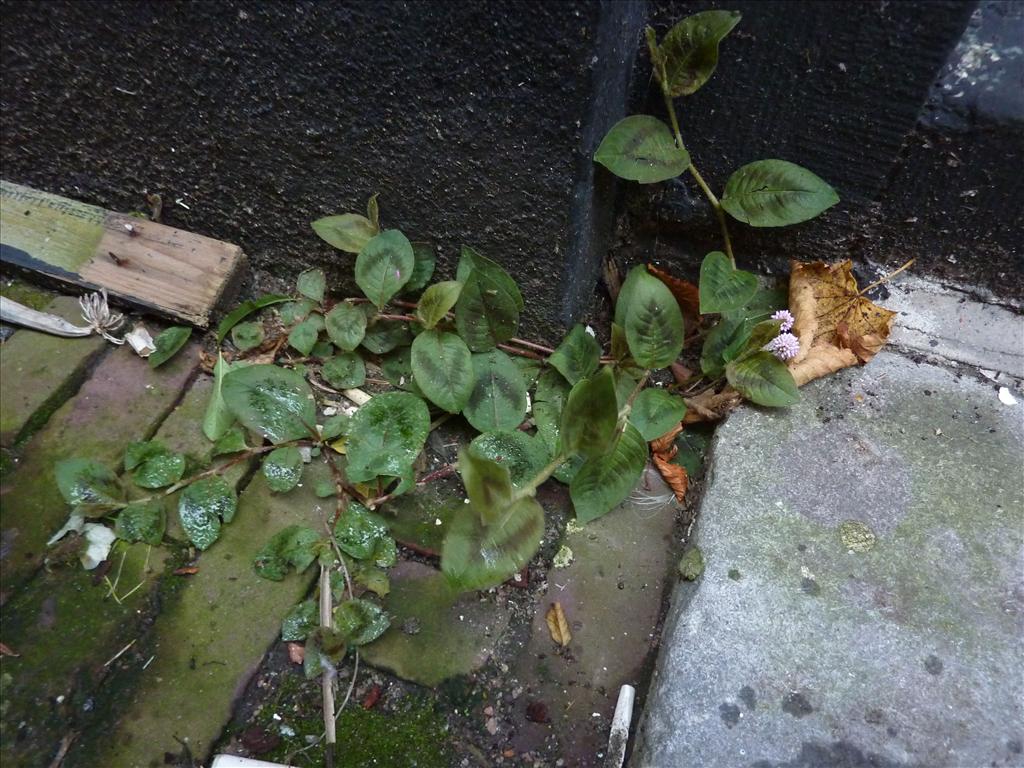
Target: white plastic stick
233,761
619,736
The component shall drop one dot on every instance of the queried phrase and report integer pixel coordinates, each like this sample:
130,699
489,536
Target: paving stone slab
611,593
435,633
39,371
863,601
123,400
66,626
209,639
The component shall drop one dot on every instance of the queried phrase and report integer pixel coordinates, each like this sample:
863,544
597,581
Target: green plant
451,348
764,193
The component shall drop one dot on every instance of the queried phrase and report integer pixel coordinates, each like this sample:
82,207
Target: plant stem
544,474
521,352
326,681
716,205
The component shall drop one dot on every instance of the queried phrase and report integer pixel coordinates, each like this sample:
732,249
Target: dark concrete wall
476,121
467,118
858,93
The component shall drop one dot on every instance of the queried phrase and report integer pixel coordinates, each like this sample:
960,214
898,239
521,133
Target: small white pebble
590,331
1005,397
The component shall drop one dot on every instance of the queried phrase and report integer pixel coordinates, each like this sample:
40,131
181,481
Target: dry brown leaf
711,406
823,361
674,475
831,314
687,295
5,650
666,442
188,570
557,625
296,653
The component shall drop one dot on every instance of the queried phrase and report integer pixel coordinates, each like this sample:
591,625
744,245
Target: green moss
691,565
412,735
23,293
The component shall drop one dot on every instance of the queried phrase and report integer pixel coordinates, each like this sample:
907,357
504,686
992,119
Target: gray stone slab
863,599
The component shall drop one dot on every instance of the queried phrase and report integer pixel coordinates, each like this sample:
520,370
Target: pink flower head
785,346
786,317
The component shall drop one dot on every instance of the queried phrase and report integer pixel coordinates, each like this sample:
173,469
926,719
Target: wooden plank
158,268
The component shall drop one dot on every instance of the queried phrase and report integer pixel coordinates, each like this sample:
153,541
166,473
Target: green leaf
386,435
487,312
232,441
294,546
247,336
652,320
304,335
359,531
322,349
655,412
523,454
724,288
443,369
373,210
87,483
397,369
344,371
202,506
693,443
775,193
312,283
689,52
488,484
498,400
335,426
578,356
729,332
167,344
620,347
761,334
624,386
641,148
763,379
603,482
382,336
549,401
360,621
218,419
143,521
245,309
347,232
283,468
590,415
384,265
300,621
154,466
478,556
273,401
346,325
436,301
385,554
373,578
423,268
765,302
471,260
296,311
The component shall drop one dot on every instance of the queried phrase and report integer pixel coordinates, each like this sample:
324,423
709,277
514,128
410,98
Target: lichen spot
856,536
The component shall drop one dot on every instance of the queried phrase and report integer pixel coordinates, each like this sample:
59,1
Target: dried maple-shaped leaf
558,626
686,294
836,325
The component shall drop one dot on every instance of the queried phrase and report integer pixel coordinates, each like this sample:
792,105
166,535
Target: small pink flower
786,317
785,346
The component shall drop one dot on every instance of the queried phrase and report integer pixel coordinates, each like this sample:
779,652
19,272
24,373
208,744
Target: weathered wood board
158,268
